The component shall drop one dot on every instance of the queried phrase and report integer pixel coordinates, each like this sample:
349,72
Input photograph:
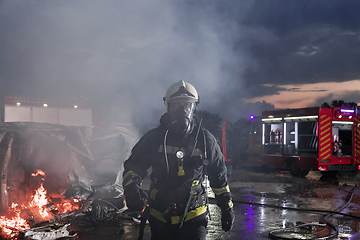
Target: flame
37,206
14,224
67,205
38,172
39,200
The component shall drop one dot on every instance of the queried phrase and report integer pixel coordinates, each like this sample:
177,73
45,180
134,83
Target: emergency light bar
342,122
271,119
347,110
303,117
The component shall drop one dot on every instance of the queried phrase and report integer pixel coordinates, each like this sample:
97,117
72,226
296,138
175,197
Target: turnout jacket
176,192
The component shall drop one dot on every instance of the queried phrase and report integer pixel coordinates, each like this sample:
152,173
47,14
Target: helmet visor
186,108
181,109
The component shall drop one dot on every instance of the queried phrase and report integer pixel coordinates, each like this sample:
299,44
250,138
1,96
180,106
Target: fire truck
325,138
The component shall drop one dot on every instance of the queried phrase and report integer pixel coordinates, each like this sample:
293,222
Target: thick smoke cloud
130,52
118,52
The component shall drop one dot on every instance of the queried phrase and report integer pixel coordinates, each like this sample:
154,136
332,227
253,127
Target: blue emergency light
347,110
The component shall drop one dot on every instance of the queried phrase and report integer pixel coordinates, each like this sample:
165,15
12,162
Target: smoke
129,52
119,52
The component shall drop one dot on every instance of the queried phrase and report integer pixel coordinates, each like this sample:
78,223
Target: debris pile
55,178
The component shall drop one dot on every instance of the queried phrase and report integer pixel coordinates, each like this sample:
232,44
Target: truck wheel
296,171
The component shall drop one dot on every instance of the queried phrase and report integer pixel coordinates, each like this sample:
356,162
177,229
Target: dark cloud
256,108
257,90
347,96
302,90
284,17
306,41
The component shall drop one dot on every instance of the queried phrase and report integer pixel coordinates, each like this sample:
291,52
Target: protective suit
179,153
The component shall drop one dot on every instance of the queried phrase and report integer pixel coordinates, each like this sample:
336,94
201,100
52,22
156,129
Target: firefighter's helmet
181,92
181,100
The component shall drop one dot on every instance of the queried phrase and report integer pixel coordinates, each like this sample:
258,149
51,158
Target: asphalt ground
268,201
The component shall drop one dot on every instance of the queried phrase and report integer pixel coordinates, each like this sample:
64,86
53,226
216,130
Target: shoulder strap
193,141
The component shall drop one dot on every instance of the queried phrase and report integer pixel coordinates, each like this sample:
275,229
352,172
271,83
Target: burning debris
10,226
51,232
40,208
54,179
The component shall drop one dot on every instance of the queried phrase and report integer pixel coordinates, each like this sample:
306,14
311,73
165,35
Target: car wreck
57,181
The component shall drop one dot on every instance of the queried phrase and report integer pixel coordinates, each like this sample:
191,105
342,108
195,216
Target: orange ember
66,205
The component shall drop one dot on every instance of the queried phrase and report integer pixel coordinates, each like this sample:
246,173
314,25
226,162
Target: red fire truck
325,138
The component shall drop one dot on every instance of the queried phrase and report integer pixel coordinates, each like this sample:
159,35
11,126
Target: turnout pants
194,229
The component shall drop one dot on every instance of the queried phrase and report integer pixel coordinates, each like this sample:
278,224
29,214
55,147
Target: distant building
65,112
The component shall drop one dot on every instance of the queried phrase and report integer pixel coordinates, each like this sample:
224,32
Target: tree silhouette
210,121
339,103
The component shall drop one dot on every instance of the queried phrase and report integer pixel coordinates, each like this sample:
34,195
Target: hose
305,227
212,201
313,228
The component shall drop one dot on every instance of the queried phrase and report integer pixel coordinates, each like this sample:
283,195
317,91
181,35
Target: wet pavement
266,200
280,189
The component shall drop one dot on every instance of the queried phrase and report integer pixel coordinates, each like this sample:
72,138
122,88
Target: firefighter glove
227,219
135,197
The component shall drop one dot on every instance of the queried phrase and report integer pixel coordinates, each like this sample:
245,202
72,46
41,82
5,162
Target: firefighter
180,154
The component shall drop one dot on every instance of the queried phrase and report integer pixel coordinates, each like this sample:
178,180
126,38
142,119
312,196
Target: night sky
242,56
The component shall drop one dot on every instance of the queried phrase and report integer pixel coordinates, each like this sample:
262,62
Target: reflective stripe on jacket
172,178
